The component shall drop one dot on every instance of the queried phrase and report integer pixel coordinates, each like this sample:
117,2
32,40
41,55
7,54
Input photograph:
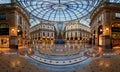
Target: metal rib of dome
59,10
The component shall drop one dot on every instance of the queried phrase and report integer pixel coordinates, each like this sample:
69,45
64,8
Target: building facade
42,33
14,25
76,32
105,25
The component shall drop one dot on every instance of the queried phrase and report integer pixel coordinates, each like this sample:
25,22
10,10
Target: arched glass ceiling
34,20
5,1
85,20
59,10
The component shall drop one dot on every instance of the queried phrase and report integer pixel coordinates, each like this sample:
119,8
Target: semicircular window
59,10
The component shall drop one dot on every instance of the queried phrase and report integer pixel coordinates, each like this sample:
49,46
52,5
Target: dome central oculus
59,7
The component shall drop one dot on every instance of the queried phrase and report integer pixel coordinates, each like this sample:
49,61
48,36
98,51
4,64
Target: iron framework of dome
59,10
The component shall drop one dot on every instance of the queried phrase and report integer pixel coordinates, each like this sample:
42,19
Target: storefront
116,35
4,35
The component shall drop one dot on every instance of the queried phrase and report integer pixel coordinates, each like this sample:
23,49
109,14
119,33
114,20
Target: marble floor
15,63
73,62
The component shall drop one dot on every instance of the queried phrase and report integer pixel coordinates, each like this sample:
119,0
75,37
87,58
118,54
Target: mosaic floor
20,64
58,59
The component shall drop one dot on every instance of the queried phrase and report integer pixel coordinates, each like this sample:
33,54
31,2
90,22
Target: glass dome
34,20
59,10
85,20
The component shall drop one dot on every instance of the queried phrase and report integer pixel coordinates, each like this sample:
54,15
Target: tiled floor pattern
17,64
20,64
102,65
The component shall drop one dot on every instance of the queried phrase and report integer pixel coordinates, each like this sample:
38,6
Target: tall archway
115,35
100,32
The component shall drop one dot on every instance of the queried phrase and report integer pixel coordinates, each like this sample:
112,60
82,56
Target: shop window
115,29
2,16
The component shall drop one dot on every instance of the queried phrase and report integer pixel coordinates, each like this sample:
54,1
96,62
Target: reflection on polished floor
59,35
55,59
16,63
59,54
59,49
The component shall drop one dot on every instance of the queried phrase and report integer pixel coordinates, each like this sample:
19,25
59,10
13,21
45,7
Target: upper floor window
99,18
20,20
71,27
48,27
48,33
3,16
52,34
53,28
43,26
43,33
4,26
117,15
4,29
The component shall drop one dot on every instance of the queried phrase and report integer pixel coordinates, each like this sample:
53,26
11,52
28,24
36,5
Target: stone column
13,39
107,38
107,31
